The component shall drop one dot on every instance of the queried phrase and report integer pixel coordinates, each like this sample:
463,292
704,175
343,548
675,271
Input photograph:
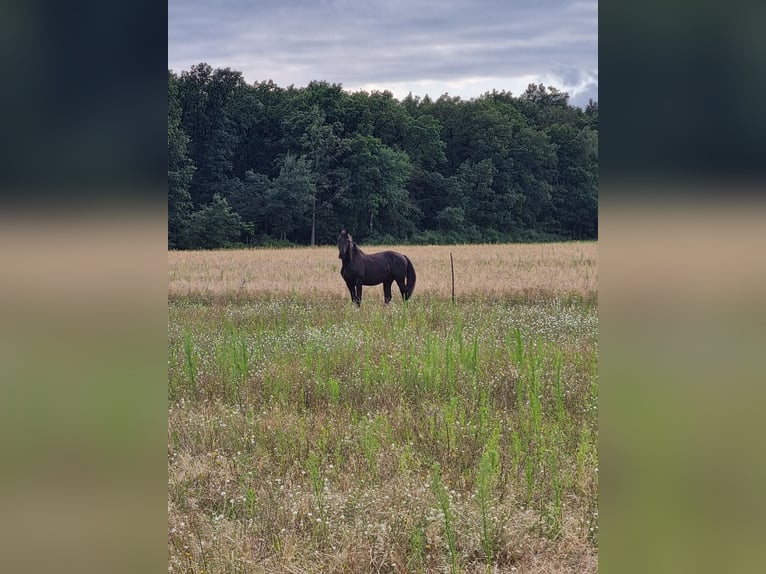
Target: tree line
264,165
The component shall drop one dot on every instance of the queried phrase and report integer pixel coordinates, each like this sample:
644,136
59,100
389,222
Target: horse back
384,266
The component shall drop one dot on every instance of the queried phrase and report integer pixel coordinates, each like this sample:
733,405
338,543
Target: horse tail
410,280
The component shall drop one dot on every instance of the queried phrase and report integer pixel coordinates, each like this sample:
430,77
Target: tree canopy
259,164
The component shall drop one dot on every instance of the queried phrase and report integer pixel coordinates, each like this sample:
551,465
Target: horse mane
353,247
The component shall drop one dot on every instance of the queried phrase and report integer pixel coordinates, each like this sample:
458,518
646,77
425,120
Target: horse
384,267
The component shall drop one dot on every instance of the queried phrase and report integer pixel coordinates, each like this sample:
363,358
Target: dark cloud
464,47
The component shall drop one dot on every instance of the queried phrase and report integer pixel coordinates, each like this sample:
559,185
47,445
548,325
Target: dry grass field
308,435
511,271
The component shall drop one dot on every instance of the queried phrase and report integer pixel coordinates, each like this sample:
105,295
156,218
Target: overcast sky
460,47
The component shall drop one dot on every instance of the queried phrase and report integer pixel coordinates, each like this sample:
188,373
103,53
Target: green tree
531,168
248,198
309,134
289,201
423,143
377,199
207,97
547,106
325,96
591,113
297,163
259,111
180,167
575,190
212,227
378,114
477,198
451,218
431,192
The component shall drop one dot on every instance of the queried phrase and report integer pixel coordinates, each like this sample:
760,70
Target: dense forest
265,165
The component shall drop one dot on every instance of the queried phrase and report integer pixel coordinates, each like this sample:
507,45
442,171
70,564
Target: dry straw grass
515,271
306,435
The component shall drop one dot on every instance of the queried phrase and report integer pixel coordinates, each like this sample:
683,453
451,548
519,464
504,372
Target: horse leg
387,291
402,287
359,294
350,286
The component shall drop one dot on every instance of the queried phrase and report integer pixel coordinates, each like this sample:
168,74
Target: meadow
307,435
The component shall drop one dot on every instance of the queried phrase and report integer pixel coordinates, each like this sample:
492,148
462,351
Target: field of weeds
306,435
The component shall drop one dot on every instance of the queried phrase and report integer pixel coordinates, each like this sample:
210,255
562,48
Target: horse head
344,243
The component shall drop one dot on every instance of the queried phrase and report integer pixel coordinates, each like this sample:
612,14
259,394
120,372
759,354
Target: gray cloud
464,47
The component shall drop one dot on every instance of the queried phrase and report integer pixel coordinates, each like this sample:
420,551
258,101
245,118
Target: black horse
385,267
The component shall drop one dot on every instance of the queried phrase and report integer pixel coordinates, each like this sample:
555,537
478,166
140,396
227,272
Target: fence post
452,266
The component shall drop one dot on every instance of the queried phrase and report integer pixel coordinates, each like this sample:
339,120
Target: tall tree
180,167
248,198
575,195
431,192
289,200
532,168
477,197
206,96
423,142
591,113
377,178
261,109
308,133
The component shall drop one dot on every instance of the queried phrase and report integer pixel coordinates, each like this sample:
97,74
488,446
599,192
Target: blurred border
682,224
83,287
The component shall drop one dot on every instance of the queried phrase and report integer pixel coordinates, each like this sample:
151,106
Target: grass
519,271
305,435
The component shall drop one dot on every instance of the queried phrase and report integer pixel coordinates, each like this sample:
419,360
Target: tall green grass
323,423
